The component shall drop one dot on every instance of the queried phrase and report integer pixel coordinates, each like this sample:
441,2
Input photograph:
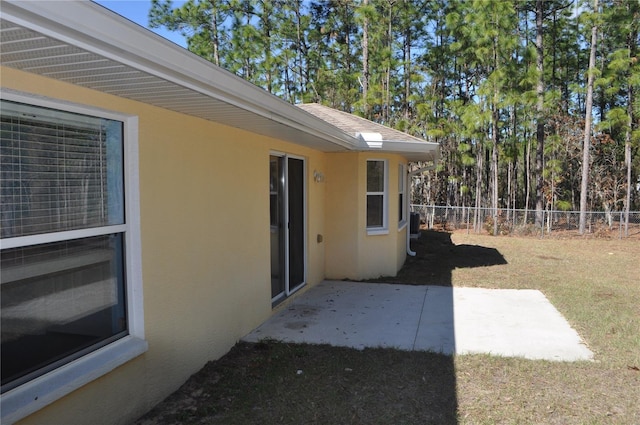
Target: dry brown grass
594,283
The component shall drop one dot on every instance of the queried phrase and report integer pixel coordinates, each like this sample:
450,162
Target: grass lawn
594,283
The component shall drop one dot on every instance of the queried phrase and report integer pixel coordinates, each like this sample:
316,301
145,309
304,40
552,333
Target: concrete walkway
503,322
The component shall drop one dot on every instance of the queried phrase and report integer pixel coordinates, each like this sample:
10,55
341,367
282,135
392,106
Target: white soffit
84,44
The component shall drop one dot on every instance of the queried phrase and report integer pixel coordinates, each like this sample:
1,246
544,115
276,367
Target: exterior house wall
352,253
379,254
343,220
204,207
204,213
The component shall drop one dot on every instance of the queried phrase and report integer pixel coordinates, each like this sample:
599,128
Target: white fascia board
407,146
96,29
413,151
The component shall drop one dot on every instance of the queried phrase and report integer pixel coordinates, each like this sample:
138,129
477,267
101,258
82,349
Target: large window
376,196
65,237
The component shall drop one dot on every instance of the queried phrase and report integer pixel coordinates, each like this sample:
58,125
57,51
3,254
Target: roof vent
373,140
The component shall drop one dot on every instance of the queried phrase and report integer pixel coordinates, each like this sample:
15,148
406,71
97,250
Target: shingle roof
353,124
374,136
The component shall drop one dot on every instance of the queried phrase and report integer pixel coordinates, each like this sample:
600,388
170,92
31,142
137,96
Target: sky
138,11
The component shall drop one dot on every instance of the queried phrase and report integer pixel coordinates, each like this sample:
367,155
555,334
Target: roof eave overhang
412,150
95,29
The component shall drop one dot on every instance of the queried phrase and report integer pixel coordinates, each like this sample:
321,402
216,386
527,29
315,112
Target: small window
402,200
67,249
376,195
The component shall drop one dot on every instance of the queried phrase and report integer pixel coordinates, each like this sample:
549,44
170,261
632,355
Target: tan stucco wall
380,254
204,204
355,254
344,204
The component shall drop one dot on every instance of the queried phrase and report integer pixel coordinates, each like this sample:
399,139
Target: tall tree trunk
527,194
632,46
365,62
587,127
495,116
512,181
266,17
406,56
494,168
215,42
627,158
477,224
539,112
387,107
302,83
527,154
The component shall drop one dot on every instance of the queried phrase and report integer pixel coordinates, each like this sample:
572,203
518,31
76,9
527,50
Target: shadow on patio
437,256
327,357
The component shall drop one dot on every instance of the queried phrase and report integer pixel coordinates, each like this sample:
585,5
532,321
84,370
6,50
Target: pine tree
587,125
201,22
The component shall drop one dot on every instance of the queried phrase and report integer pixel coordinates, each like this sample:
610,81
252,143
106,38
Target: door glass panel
296,222
276,191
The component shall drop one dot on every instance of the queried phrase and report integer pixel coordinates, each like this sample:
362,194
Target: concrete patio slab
517,323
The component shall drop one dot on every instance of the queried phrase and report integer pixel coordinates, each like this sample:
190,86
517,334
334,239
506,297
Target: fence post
620,224
476,214
549,219
433,213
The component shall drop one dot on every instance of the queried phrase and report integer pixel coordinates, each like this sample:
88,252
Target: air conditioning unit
414,224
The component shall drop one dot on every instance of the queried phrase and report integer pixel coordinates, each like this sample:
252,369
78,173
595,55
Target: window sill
377,231
44,390
402,225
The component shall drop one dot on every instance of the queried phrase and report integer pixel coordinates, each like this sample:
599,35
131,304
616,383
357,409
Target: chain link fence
523,222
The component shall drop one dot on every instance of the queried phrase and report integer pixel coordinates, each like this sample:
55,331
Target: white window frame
33,395
402,190
384,229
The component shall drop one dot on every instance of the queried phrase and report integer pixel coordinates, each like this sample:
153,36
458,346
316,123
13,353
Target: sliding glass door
287,224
